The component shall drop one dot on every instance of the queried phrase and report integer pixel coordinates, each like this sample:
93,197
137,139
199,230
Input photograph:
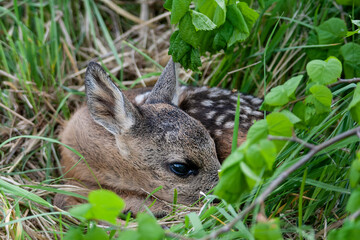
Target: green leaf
354,105
277,96
267,230
188,32
291,85
231,185
258,131
74,234
331,31
292,117
215,10
201,21
322,94
281,95
96,233
81,211
168,5
324,72
236,18
319,107
105,205
279,125
350,230
354,201
178,9
223,35
178,47
249,14
148,228
261,155
129,234
351,54
355,172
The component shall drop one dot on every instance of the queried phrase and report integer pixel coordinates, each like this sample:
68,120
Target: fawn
137,140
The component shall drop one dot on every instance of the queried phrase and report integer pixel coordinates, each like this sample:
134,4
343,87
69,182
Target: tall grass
44,49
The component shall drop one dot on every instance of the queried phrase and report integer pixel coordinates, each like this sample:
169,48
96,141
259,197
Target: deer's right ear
107,104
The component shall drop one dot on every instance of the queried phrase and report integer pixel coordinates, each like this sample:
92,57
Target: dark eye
183,170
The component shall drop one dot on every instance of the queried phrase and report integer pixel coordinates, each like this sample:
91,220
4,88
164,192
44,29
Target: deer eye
183,170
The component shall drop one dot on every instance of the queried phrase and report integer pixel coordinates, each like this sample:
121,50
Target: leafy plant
211,26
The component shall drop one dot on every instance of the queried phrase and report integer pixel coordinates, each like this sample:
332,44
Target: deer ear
164,90
107,104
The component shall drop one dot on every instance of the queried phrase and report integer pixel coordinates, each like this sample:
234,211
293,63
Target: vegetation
296,176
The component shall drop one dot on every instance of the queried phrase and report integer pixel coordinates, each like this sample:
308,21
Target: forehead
168,124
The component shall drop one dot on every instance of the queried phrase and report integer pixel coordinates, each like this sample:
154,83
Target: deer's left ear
107,104
165,88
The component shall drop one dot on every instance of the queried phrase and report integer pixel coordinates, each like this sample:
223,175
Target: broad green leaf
148,228
202,22
105,205
281,95
354,105
188,32
292,117
249,14
178,9
322,94
331,31
268,151
222,36
96,233
319,107
355,172
261,155
279,125
324,72
231,185
267,230
233,159
129,234
354,201
351,54
291,85
178,47
74,234
236,18
215,10
81,211
277,96
258,131
168,5
251,176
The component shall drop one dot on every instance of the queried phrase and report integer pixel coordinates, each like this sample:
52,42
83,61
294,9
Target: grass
44,50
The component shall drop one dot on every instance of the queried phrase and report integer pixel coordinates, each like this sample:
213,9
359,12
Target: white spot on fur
214,94
201,89
256,101
247,110
207,103
220,119
218,132
139,99
232,112
257,113
229,125
210,115
193,110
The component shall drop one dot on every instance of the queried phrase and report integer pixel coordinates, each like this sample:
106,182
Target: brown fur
130,149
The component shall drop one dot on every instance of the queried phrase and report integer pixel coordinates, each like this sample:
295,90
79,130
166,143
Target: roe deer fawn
137,140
